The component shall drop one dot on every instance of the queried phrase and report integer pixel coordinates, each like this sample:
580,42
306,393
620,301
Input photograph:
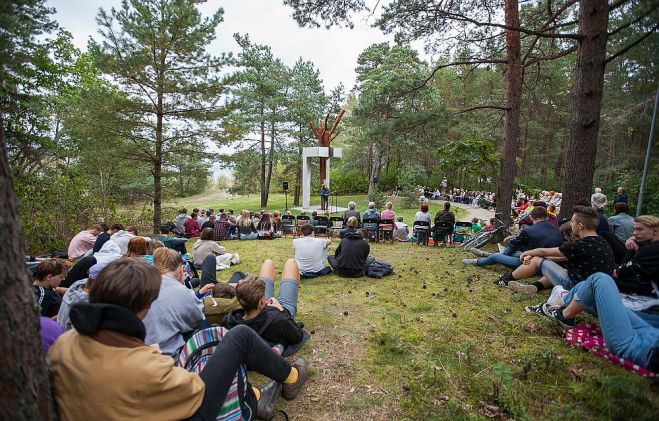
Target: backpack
193,357
378,268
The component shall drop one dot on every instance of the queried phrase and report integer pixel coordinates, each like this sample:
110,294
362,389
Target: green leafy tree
156,53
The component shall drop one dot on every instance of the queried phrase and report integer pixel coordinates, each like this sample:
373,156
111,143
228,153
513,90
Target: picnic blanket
588,337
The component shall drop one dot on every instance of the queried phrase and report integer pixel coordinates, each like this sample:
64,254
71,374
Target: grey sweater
175,311
74,295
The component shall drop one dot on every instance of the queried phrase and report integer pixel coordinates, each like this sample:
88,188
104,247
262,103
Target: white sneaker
469,261
479,253
501,247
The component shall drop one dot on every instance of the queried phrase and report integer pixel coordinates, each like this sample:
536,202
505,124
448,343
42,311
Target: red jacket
192,227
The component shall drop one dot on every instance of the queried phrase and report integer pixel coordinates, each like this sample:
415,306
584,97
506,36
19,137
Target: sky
334,52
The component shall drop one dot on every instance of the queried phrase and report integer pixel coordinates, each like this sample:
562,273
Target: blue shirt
542,234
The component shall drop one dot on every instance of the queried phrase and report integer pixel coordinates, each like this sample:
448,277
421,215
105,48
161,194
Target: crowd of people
606,267
136,301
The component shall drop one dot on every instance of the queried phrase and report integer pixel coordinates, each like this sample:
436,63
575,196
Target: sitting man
104,236
350,257
621,224
105,364
175,243
311,253
542,234
350,212
640,268
272,318
83,241
588,254
223,228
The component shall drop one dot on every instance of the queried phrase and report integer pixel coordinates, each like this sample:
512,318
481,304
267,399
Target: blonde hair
167,260
245,219
389,205
352,222
649,221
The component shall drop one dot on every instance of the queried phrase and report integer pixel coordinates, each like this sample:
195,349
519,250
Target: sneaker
504,280
520,287
536,309
290,391
265,409
501,247
555,313
480,253
469,261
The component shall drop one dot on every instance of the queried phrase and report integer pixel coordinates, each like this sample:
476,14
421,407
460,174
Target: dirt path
479,212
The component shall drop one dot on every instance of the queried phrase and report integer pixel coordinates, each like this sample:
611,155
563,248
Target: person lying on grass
273,318
588,254
103,369
625,332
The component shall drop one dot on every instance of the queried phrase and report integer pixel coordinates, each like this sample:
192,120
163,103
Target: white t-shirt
310,253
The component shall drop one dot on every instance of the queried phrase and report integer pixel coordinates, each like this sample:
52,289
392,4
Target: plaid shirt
222,231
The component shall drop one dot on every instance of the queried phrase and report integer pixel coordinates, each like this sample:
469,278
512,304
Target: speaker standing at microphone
324,197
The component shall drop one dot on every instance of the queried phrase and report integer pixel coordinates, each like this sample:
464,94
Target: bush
348,183
408,183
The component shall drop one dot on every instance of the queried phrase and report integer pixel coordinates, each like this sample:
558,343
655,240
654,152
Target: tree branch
631,45
618,4
481,107
552,57
631,22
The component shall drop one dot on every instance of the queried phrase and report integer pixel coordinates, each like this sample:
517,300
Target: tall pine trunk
376,167
264,199
157,169
586,103
511,126
271,158
25,385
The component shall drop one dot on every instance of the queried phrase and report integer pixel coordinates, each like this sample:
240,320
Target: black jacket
444,222
639,270
351,255
280,327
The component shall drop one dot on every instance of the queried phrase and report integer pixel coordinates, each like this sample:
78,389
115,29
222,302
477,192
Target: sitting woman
245,227
276,223
351,212
205,246
351,227
422,232
388,214
265,229
107,348
136,248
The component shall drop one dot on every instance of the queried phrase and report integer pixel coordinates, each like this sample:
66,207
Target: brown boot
290,391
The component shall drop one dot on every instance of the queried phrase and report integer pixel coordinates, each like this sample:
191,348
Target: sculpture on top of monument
324,139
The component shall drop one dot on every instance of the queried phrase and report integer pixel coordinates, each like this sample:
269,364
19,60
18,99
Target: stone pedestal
307,155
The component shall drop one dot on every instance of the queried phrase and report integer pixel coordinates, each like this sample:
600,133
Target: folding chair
301,220
288,225
336,224
386,230
371,227
322,225
421,231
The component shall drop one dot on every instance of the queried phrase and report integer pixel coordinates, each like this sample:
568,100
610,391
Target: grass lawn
438,340
277,202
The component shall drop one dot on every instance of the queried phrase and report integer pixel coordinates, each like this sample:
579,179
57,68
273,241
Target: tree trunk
586,103
544,162
525,152
376,167
157,169
264,200
25,385
271,158
514,77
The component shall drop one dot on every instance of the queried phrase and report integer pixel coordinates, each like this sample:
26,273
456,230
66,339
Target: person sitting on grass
402,232
598,201
106,365
475,225
176,312
351,226
273,318
192,227
265,227
245,226
625,333
276,223
136,248
83,241
205,246
640,268
223,228
311,253
174,243
47,277
350,257
541,234
210,222
104,236
587,254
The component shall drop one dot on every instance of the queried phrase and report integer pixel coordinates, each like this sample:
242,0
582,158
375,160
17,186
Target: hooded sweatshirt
280,327
203,248
74,295
351,255
103,370
121,238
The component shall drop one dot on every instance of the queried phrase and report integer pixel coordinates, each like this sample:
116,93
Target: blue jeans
324,271
556,274
287,293
625,333
508,261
